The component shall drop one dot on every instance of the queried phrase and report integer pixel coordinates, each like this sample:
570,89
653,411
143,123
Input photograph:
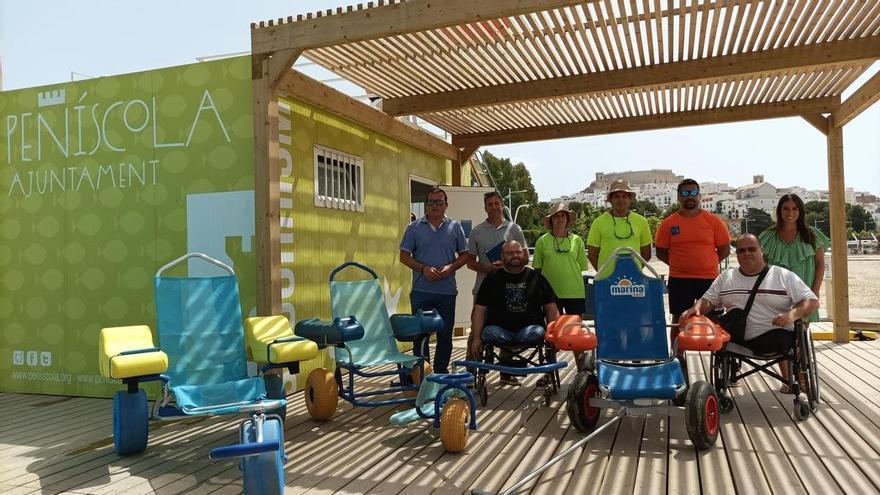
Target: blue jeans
527,335
445,306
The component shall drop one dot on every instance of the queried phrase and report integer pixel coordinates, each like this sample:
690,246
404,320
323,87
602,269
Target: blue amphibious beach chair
633,357
202,366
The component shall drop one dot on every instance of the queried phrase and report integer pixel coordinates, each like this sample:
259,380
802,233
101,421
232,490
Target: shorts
571,306
684,291
776,341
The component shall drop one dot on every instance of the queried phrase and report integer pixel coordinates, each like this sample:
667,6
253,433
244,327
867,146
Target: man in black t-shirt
513,305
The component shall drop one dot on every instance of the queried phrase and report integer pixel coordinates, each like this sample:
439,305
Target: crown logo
50,98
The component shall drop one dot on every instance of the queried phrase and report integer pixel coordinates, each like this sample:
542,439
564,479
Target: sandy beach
864,285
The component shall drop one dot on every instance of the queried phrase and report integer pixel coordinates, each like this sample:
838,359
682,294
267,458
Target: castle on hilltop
659,187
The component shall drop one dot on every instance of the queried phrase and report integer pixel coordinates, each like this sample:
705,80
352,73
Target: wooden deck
62,445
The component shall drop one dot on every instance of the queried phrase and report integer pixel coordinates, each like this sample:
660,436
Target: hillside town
732,203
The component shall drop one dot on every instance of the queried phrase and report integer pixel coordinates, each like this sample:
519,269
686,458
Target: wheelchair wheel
807,361
264,473
454,425
321,394
801,410
583,416
415,376
130,422
701,415
480,385
725,403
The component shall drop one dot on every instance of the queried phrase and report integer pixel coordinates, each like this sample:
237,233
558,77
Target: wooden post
457,166
267,174
464,154
837,217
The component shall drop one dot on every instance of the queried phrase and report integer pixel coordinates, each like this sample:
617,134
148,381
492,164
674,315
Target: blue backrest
364,300
200,328
630,319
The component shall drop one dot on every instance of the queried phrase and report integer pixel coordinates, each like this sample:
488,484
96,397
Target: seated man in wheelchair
781,299
512,308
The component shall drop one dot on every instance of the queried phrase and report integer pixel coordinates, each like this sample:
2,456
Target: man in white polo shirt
781,299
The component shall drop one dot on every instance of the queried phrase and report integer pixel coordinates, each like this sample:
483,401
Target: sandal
785,389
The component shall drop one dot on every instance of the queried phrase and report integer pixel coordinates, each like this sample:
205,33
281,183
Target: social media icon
18,358
45,358
32,358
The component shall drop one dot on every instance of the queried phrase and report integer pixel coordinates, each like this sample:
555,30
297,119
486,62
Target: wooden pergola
504,71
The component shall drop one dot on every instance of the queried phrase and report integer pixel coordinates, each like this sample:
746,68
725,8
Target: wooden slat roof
556,68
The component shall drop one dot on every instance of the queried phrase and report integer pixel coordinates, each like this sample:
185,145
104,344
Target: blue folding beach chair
365,345
202,365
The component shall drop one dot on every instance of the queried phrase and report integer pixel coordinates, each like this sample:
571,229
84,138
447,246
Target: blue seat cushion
651,381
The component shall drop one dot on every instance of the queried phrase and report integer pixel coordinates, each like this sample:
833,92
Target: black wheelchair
726,368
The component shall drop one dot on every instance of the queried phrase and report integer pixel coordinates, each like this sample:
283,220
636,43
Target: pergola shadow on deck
504,71
64,445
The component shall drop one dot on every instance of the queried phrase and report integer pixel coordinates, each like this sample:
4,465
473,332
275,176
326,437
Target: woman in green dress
791,244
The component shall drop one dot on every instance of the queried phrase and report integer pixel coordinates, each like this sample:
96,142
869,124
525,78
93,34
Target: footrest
128,352
269,339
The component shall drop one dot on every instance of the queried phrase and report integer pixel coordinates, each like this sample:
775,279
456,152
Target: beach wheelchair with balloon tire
365,345
635,369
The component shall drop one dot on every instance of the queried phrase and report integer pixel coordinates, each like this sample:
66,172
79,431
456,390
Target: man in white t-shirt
782,298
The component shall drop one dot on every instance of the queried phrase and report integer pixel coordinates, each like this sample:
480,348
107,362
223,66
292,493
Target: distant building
635,178
658,186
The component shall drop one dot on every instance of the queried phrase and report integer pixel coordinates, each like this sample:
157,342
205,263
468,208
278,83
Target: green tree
858,218
644,208
653,222
755,221
669,211
509,177
817,216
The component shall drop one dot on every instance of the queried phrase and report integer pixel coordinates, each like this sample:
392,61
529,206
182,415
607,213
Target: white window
339,180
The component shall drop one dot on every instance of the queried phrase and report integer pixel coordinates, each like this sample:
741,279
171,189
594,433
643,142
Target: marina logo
625,287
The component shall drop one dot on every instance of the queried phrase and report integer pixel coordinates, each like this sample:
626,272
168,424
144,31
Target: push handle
699,324
354,264
626,250
201,256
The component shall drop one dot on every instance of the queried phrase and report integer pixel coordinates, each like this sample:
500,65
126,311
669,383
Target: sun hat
561,206
620,186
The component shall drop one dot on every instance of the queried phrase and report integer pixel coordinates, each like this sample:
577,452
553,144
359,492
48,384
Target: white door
466,206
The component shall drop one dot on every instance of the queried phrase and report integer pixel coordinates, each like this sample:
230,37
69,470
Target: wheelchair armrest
326,333
409,328
129,352
699,333
269,339
571,333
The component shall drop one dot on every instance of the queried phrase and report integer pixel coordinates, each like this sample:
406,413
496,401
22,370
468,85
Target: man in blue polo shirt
434,247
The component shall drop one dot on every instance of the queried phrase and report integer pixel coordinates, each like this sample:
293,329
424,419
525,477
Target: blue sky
43,42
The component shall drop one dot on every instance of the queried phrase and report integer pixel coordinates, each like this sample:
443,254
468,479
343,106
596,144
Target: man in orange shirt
691,241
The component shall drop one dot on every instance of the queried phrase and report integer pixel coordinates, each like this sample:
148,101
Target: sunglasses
692,192
435,202
750,249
